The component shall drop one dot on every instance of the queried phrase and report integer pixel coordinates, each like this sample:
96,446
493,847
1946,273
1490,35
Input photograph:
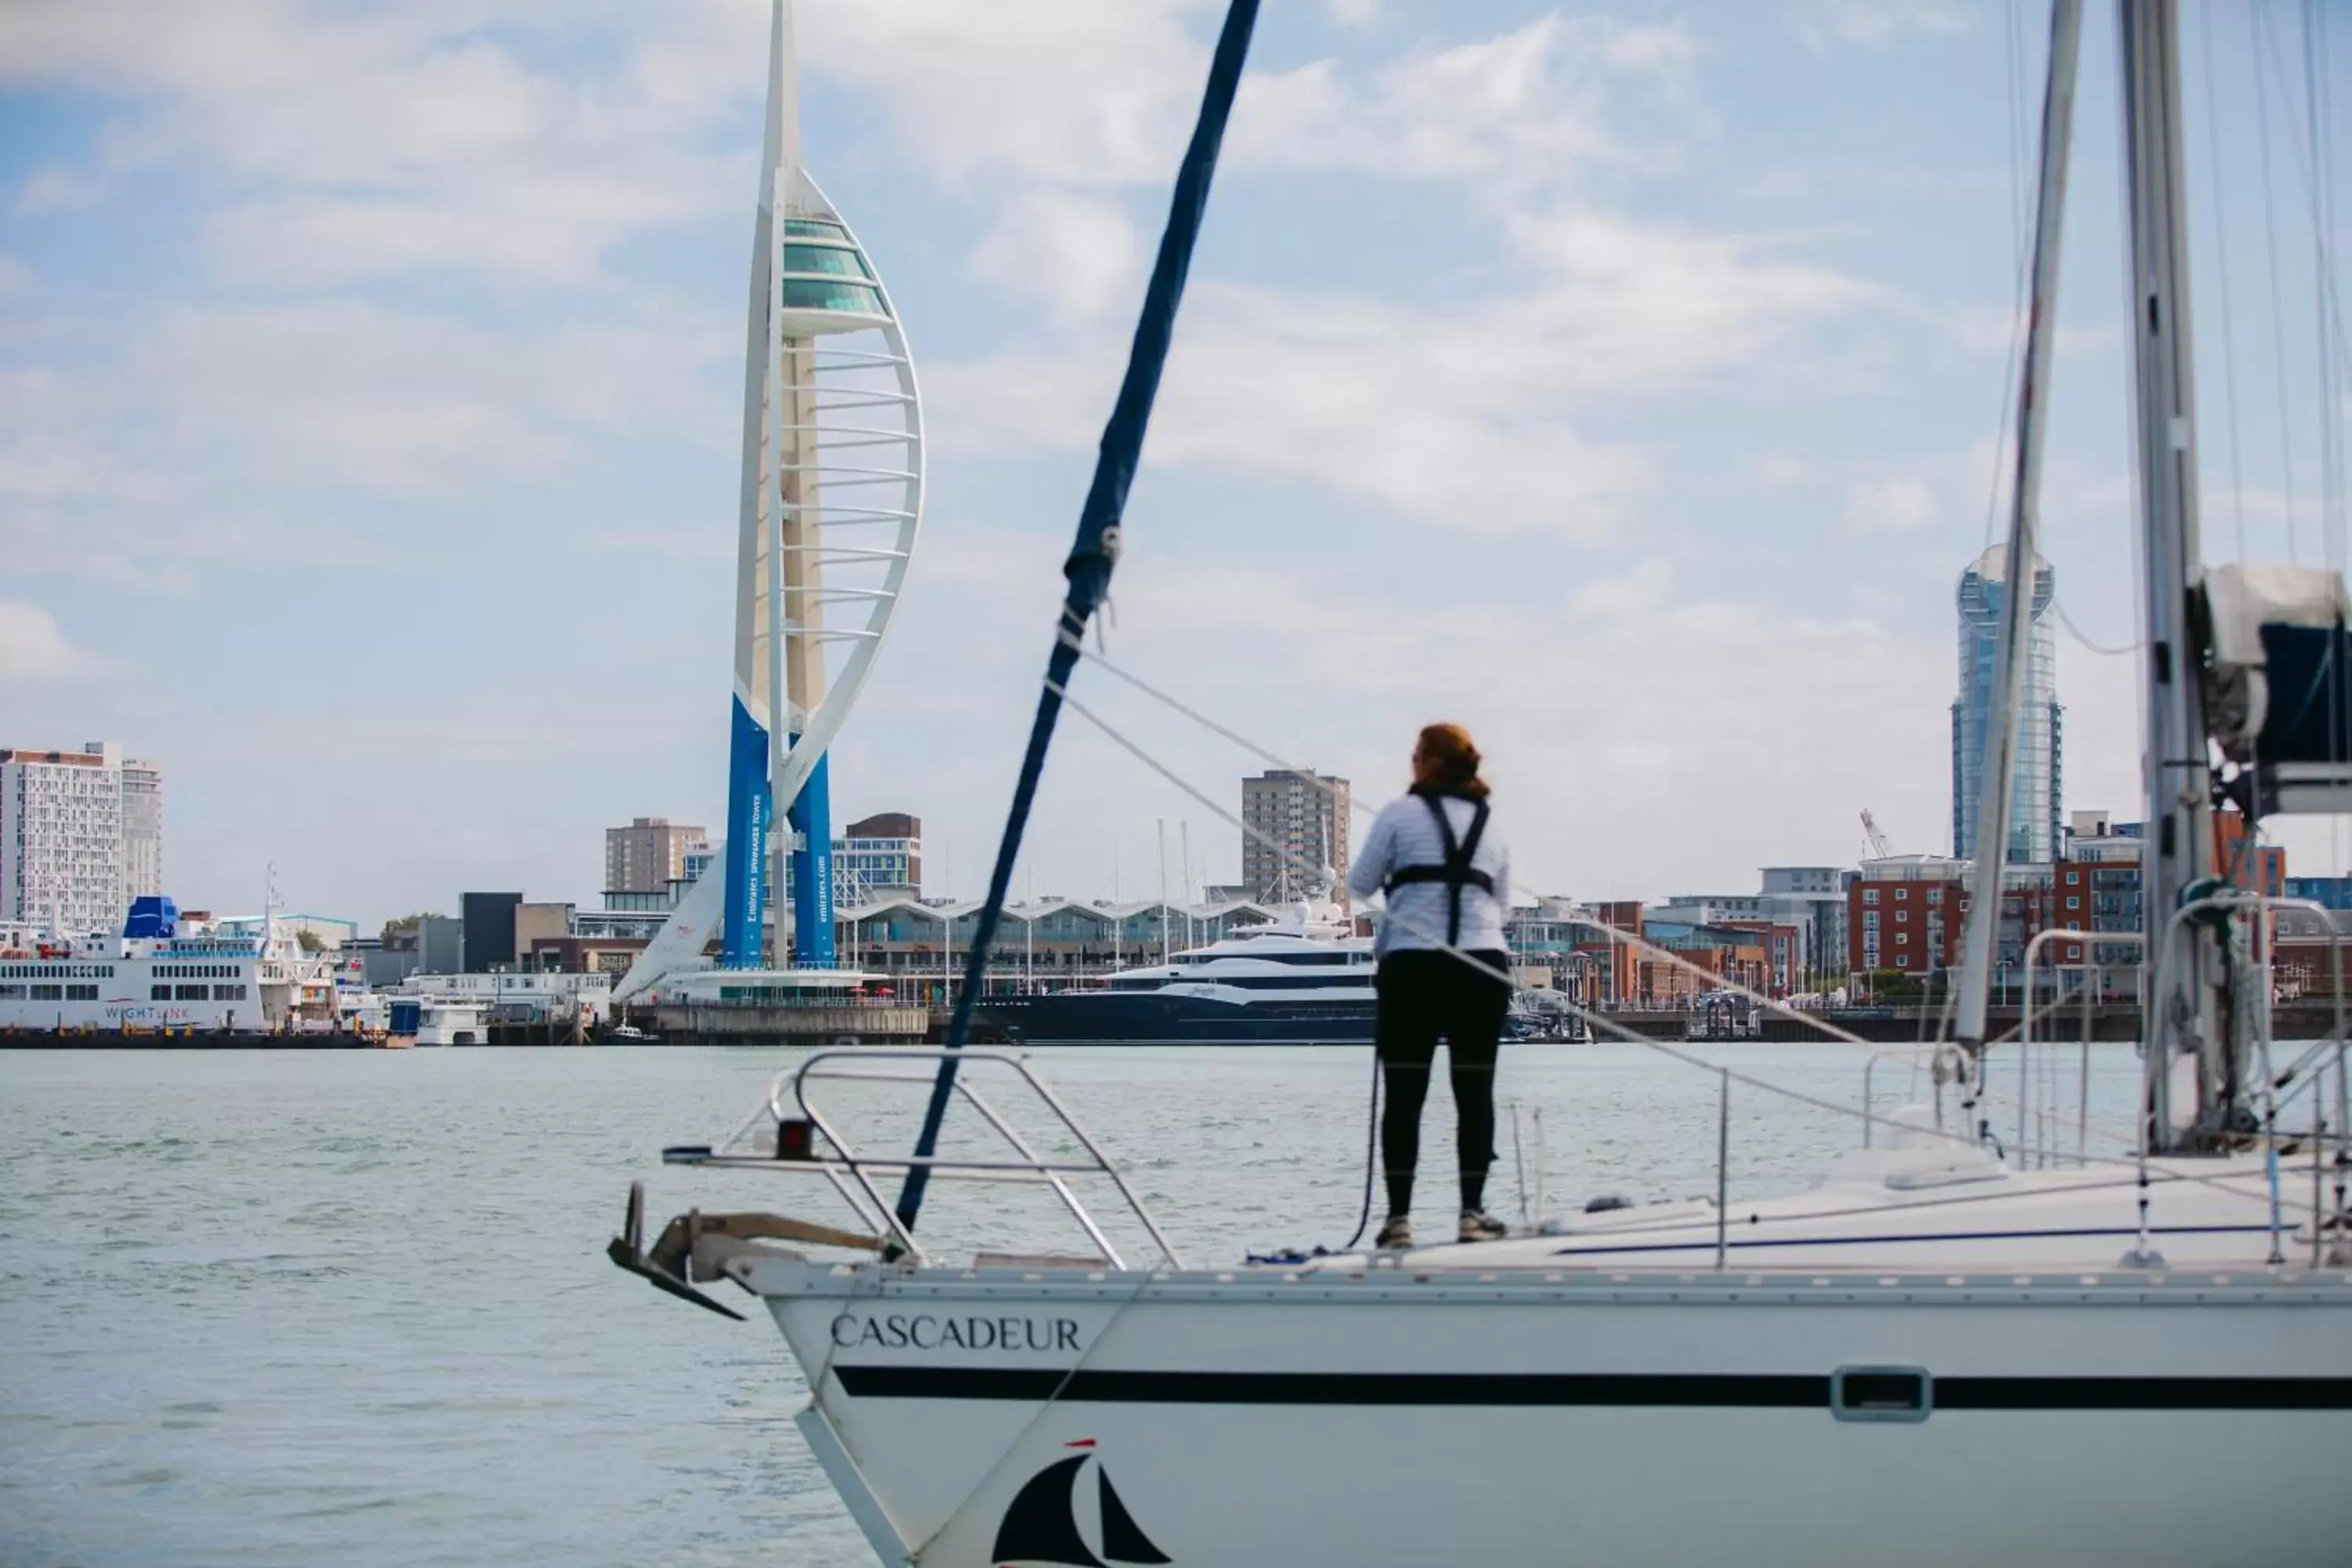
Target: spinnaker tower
830,503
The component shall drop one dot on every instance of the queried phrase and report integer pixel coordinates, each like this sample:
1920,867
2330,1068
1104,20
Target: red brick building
1909,914
2257,867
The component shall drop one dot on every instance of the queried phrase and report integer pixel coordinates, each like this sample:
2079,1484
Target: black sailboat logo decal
1041,1524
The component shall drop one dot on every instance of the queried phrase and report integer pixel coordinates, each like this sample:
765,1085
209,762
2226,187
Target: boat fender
1606,1202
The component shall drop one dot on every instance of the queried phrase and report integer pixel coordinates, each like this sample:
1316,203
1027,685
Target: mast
1997,784
2178,856
1095,550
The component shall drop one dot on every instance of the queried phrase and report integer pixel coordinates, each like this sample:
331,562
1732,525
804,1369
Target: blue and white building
2035,799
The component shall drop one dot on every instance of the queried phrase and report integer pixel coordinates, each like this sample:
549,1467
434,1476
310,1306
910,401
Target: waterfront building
649,853
61,846
538,922
1813,896
1049,944
1811,900
521,998
878,852
2327,892
1907,914
1726,954
142,829
488,930
584,954
2246,863
1304,817
441,944
2033,807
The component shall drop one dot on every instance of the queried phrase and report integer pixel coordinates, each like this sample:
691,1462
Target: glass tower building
2035,800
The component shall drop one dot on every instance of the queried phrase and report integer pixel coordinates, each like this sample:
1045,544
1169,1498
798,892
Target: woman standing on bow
1443,969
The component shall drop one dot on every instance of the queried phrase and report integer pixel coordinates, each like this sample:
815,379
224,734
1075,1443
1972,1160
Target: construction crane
1879,848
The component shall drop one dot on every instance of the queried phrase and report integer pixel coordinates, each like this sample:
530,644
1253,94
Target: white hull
1506,1418
1608,1397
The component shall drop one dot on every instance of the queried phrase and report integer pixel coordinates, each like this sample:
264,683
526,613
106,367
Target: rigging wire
1601,1025
2255,21
2020,264
2305,179
2318,113
2229,333
2077,632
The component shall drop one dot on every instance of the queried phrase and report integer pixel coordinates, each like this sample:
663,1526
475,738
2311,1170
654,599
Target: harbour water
352,1308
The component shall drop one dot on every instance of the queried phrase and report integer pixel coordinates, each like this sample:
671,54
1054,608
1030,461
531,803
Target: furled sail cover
2276,686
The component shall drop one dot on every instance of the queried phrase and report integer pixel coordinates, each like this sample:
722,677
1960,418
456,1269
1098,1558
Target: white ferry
156,978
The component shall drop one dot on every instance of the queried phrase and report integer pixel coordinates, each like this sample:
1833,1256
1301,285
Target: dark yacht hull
1149,1018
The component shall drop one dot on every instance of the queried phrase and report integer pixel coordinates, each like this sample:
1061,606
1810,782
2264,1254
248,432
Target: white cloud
1070,92
385,142
1076,255
1873,24
1640,591
1466,414
1898,504
33,648
406,400
1358,14
55,190
1525,108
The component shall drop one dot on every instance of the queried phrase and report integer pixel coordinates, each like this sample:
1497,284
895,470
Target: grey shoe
1396,1234
1477,1225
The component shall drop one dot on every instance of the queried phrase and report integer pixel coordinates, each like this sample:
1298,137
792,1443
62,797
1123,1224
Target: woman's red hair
1445,763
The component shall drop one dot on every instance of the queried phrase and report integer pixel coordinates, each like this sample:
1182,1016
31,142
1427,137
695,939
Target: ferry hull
181,1040
1265,1418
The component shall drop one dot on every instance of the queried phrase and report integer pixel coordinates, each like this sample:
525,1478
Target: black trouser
1425,997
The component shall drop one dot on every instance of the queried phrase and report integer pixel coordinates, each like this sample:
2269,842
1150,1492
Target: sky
1626,383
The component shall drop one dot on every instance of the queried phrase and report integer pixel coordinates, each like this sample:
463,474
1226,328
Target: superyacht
1303,979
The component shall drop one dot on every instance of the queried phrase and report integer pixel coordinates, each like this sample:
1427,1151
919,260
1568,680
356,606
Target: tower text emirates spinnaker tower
830,503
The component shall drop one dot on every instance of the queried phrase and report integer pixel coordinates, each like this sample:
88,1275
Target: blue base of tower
748,812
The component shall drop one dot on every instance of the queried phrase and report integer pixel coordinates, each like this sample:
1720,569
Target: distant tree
1893,985
308,941
409,922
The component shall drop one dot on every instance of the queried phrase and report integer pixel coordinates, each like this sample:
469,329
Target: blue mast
1096,550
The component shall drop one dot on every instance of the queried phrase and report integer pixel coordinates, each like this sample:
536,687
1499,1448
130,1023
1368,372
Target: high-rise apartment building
2035,796
142,829
61,860
1303,818
648,855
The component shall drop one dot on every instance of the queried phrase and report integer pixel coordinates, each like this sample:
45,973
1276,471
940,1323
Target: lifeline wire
1095,551
1981,1094
1603,1025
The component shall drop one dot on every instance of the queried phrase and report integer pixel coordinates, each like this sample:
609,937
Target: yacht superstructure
1306,979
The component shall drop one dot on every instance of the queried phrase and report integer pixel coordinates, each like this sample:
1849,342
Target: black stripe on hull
1556,1390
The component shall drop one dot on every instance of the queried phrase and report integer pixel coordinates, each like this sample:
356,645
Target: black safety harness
1457,872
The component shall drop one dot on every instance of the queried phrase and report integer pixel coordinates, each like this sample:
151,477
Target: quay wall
740,1023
